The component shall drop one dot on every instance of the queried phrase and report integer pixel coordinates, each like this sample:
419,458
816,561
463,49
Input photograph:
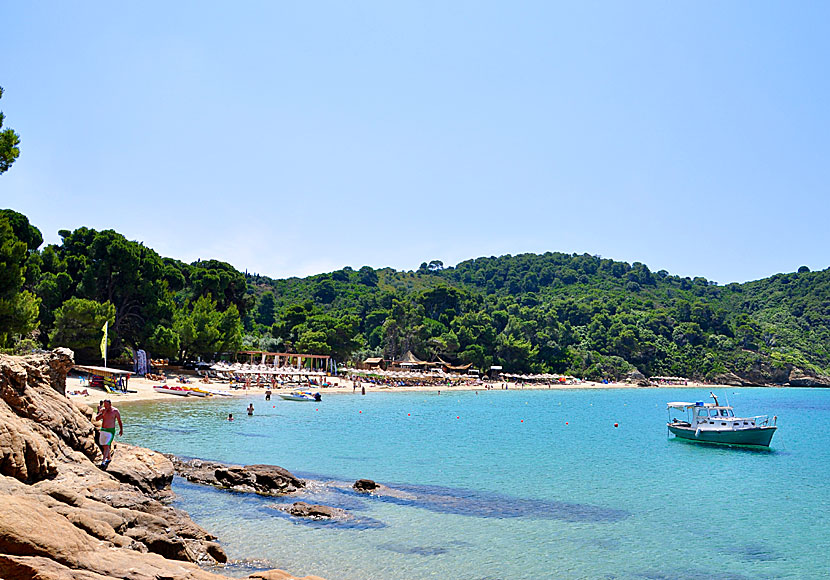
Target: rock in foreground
64,518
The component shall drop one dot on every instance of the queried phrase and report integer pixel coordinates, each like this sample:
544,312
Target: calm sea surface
512,485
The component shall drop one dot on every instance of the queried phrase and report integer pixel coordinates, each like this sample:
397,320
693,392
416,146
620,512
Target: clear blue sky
298,138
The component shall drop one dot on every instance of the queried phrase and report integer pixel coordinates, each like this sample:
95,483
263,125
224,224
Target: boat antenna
714,397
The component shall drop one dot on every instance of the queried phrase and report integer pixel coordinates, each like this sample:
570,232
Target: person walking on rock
108,416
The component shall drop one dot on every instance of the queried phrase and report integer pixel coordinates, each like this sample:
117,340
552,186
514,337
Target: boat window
703,412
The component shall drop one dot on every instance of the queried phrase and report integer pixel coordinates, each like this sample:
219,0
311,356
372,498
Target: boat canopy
699,404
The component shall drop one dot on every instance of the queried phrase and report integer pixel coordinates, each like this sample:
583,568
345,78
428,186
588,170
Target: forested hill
580,314
577,314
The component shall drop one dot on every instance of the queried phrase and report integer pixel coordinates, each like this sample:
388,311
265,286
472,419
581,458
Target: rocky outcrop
64,518
728,378
762,372
261,479
800,378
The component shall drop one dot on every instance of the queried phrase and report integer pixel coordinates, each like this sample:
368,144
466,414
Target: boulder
365,485
147,470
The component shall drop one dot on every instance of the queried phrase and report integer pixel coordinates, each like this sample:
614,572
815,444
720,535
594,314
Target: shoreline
144,389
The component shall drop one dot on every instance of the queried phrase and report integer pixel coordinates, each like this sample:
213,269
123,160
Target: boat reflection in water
714,423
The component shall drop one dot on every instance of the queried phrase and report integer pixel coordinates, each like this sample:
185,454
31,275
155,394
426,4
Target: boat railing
764,421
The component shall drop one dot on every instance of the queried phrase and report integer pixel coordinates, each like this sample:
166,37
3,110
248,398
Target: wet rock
261,479
302,509
365,485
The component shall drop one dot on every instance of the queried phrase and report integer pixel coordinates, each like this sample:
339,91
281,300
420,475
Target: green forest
583,315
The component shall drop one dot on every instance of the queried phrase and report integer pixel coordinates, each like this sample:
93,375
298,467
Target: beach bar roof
409,359
101,371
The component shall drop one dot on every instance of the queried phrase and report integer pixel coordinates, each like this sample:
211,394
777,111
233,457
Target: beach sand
144,389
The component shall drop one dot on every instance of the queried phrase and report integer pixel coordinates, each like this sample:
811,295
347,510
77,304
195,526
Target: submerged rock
302,509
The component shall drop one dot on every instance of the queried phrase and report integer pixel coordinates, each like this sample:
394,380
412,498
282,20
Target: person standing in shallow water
251,409
108,415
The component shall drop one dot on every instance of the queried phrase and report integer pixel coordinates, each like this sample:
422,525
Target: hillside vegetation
566,313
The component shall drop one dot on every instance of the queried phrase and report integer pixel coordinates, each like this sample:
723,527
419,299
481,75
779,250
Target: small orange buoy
409,414
458,417
522,421
616,424
566,422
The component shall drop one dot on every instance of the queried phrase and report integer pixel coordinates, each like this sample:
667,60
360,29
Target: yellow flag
104,342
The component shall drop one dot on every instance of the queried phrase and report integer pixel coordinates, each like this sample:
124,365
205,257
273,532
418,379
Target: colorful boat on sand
300,396
714,423
172,390
197,392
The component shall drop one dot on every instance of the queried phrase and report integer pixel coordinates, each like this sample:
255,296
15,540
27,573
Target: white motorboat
300,396
715,423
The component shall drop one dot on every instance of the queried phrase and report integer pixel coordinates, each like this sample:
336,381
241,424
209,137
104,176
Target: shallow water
511,484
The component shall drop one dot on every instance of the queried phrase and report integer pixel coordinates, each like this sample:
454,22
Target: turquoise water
496,485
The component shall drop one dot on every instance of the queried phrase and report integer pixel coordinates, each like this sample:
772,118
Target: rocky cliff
64,518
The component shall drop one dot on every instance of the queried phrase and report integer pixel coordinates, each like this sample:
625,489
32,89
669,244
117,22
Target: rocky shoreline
65,518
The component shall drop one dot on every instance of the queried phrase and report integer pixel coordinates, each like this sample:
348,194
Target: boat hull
296,398
179,392
759,436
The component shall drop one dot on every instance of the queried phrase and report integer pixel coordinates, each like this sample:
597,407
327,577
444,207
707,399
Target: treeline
577,314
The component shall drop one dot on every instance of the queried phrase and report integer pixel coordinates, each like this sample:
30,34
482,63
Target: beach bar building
286,359
374,363
411,362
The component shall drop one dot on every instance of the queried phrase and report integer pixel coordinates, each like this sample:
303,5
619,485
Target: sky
295,138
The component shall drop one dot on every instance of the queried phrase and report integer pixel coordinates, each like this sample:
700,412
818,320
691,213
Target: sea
510,484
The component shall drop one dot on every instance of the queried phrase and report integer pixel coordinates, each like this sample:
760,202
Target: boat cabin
709,416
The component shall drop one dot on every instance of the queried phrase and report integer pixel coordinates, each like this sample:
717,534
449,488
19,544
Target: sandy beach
144,391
